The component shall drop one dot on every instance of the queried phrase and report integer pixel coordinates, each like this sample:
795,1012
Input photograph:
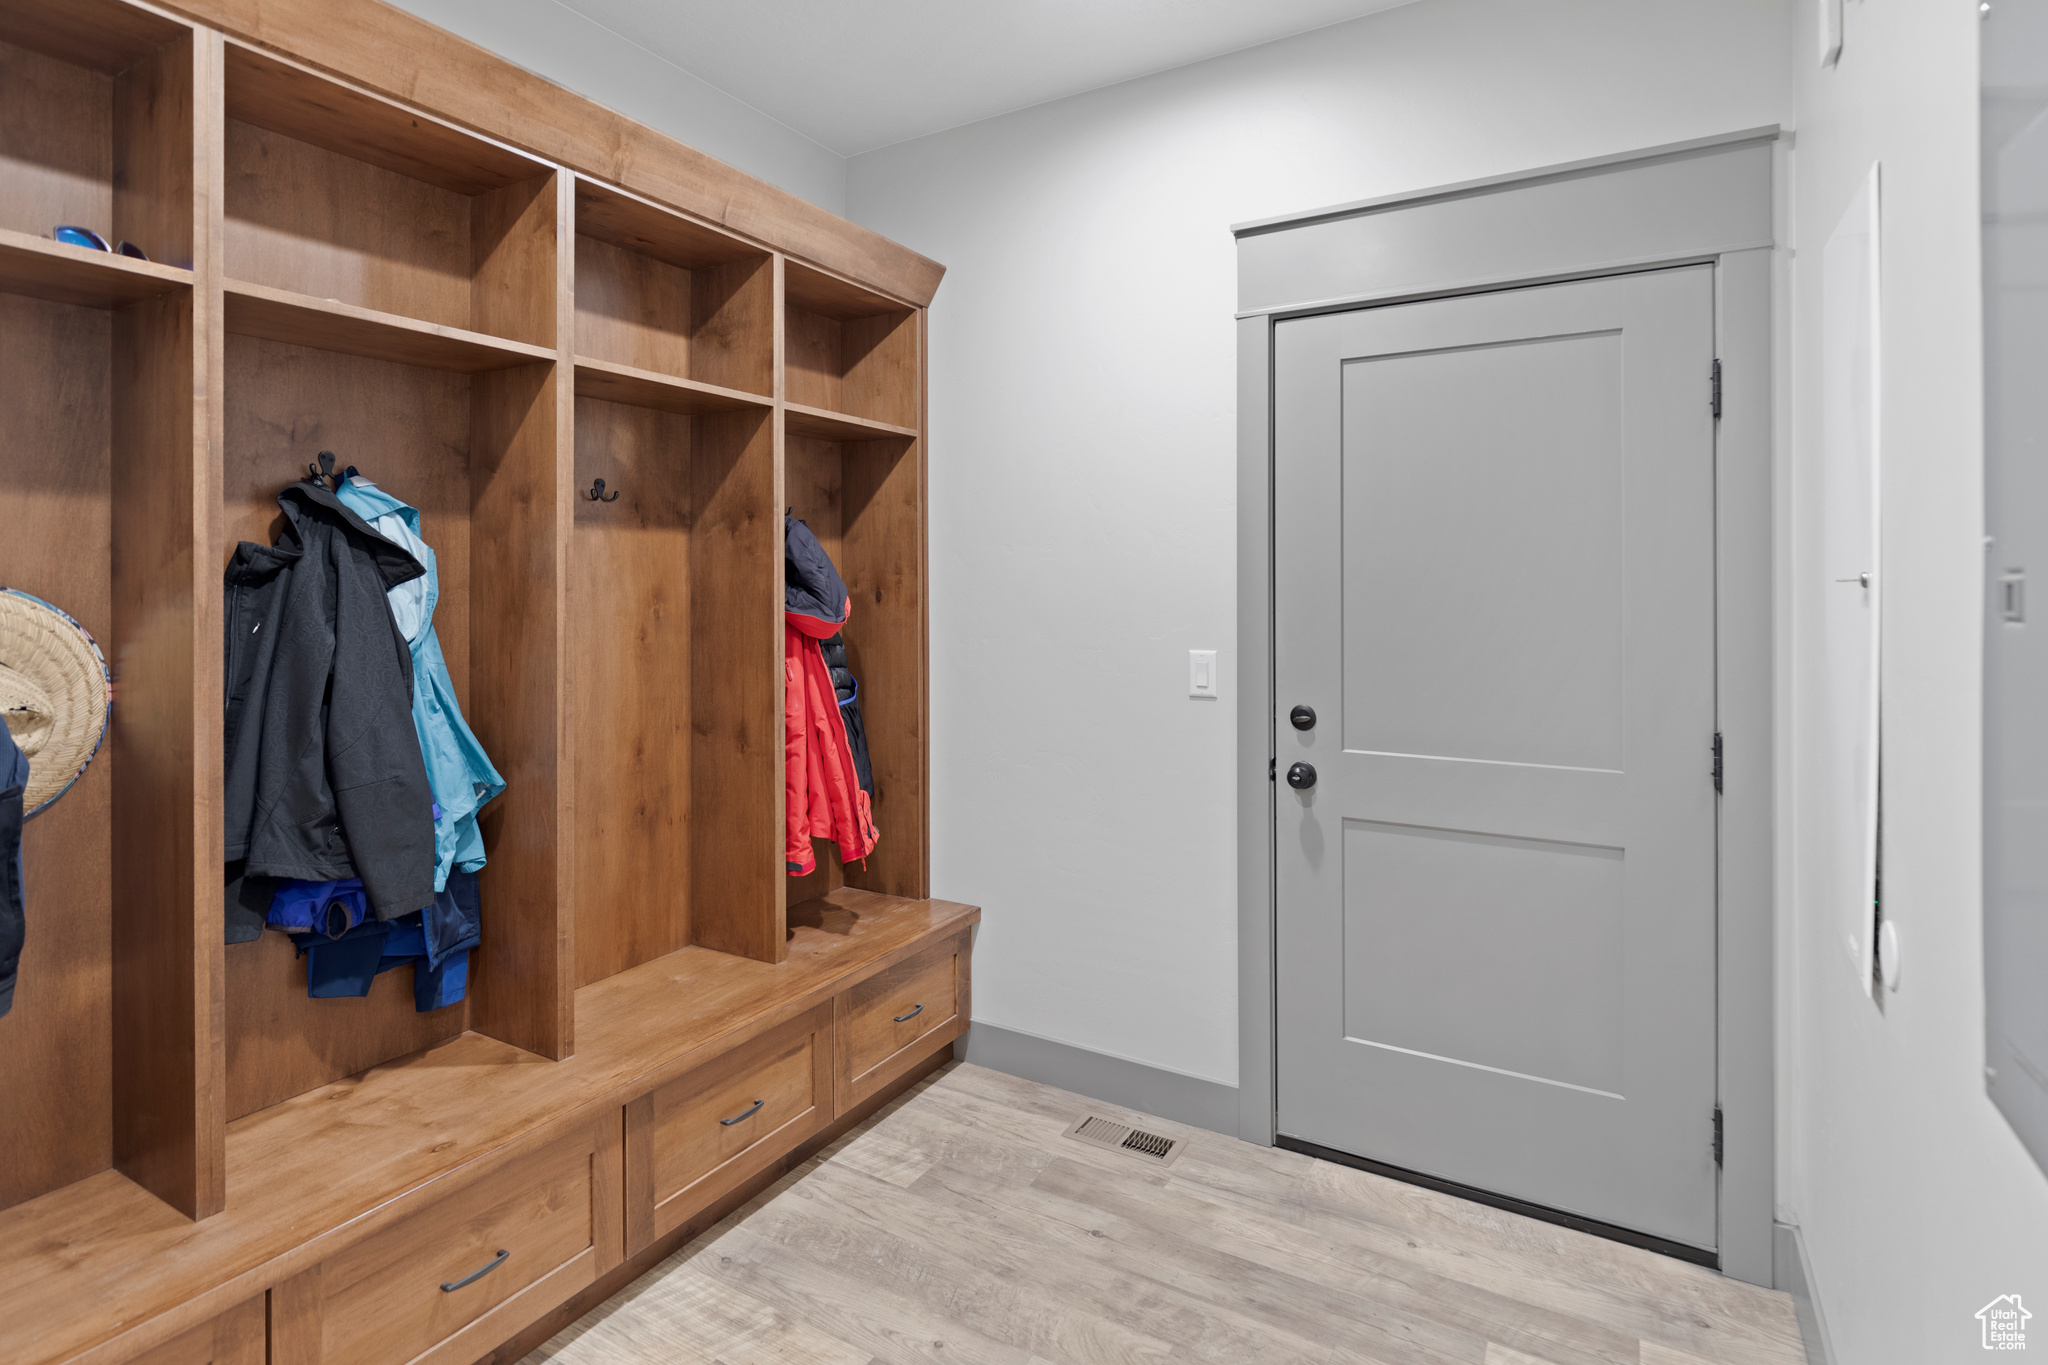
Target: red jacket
824,796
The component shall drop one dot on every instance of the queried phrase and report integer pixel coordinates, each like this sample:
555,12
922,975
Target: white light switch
1201,672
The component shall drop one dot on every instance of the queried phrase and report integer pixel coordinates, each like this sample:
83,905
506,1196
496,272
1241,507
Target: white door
1494,587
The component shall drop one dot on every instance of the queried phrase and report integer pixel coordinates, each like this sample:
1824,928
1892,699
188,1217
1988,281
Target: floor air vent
1101,1132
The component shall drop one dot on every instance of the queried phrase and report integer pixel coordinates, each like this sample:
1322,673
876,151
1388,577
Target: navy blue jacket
13,915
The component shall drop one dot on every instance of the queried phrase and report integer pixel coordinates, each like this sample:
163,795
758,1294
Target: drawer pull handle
746,1113
914,1012
450,1286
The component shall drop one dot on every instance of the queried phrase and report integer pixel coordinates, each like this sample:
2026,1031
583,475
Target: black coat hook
597,493
323,470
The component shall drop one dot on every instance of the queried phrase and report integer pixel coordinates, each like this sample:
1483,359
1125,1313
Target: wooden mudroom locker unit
368,237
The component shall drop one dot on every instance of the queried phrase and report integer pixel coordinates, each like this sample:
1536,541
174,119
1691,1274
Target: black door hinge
1717,760
1716,389
1717,1135
1272,769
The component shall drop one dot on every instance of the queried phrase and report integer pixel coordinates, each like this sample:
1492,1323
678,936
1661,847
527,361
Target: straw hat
55,693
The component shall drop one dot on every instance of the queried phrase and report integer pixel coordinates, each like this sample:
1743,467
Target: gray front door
1494,586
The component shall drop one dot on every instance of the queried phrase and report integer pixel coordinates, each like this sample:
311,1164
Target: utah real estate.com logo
2005,1323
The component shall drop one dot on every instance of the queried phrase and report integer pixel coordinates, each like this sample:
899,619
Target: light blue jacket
458,770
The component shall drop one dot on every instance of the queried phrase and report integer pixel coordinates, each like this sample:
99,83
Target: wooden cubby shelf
256,310
820,425
485,306
639,388
349,1151
661,294
44,269
849,351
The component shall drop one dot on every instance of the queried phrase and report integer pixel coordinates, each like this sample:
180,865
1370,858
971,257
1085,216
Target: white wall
1083,446
554,41
1917,1202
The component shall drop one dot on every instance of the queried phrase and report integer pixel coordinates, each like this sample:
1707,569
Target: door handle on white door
1862,578
1301,776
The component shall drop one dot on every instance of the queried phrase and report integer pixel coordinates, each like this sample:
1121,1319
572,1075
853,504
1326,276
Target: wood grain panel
810,365
512,245
383,1298
632,308
630,630
521,423
56,1045
821,425
315,222
56,143
279,315
237,1337
280,1043
890,1012
68,274
865,367
554,1213
878,358
104,35
736,670
168,1091
153,163
732,321
271,92
884,562
409,59
681,1153
646,389
641,225
407,429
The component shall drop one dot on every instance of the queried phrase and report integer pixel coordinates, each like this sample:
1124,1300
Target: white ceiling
854,75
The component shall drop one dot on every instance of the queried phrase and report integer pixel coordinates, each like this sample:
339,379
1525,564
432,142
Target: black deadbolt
1303,717
1301,776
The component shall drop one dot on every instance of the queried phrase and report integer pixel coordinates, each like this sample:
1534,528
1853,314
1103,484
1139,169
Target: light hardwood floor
960,1225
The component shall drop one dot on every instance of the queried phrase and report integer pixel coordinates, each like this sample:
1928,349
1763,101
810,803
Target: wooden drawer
700,1136
897,1017
236,1337
462,1272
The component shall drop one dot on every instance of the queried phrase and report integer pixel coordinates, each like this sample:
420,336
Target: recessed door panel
1483,552
1494,584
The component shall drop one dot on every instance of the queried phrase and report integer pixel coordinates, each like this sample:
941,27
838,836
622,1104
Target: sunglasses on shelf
86,237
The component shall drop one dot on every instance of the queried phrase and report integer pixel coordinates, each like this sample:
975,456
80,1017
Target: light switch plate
1202,673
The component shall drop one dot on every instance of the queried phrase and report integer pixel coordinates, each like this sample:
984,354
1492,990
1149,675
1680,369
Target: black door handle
1301,776
450,1286
746,1113
1302,717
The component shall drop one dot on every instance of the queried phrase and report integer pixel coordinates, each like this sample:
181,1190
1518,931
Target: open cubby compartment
865,501
335,196
107,1057
675,594
476,452
96,127
662,297
849,350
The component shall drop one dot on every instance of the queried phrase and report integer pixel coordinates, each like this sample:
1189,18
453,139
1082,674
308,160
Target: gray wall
1084,447
1917,1203
554,41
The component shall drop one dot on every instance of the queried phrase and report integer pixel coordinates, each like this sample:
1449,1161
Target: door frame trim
1706,200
